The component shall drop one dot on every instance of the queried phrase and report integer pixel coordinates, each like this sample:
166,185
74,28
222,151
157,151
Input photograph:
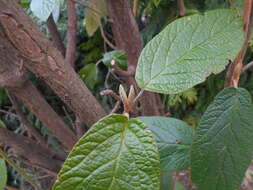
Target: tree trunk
128,38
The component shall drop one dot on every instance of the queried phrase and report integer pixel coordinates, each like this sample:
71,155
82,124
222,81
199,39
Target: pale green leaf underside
223,146
117,153
3,174
188,50
174,138
43,8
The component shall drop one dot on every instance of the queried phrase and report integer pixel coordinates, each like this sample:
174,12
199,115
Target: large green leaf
188,50
174,138
3,174
43,8
223,145
117,153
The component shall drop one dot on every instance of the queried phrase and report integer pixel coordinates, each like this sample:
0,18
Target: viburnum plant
124,153
139,147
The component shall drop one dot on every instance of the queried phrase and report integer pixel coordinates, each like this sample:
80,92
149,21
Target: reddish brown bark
235,69
56,37
27,148
13,77
47,62
128,38
30,96
71,35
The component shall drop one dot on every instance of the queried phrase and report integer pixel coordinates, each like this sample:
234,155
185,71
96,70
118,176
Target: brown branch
15,80
235,69
47,62
128,38
24,121
135,8
71,34
116,107
30,96
105,38
56,37
28,148
246,67
110,93
181,7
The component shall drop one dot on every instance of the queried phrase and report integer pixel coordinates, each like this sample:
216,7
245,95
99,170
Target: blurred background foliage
92,64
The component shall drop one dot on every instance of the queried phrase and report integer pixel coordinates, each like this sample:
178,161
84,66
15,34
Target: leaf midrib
122,142
182,56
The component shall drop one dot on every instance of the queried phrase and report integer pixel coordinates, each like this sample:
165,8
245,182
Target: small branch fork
236,68
129,101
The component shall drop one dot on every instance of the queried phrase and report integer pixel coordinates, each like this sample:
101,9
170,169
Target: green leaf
24,3
188,50
43,8
222,148
117,153
120,58
3,174
179,186
156,2
174,138
89,74
92,18
2,124
167,182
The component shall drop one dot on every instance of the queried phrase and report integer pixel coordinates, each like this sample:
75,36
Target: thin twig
119,70
8,112
68,116
116,107
246,67
112,71
138,96
99,61
22,118
19,170
35,166
110,93
105,38
86,5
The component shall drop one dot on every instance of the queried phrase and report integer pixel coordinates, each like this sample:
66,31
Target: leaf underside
43,8
188,50
117,153
174,138
222,148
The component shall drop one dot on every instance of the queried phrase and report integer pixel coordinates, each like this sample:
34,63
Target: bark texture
128,38
27,148
14,78
47,62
